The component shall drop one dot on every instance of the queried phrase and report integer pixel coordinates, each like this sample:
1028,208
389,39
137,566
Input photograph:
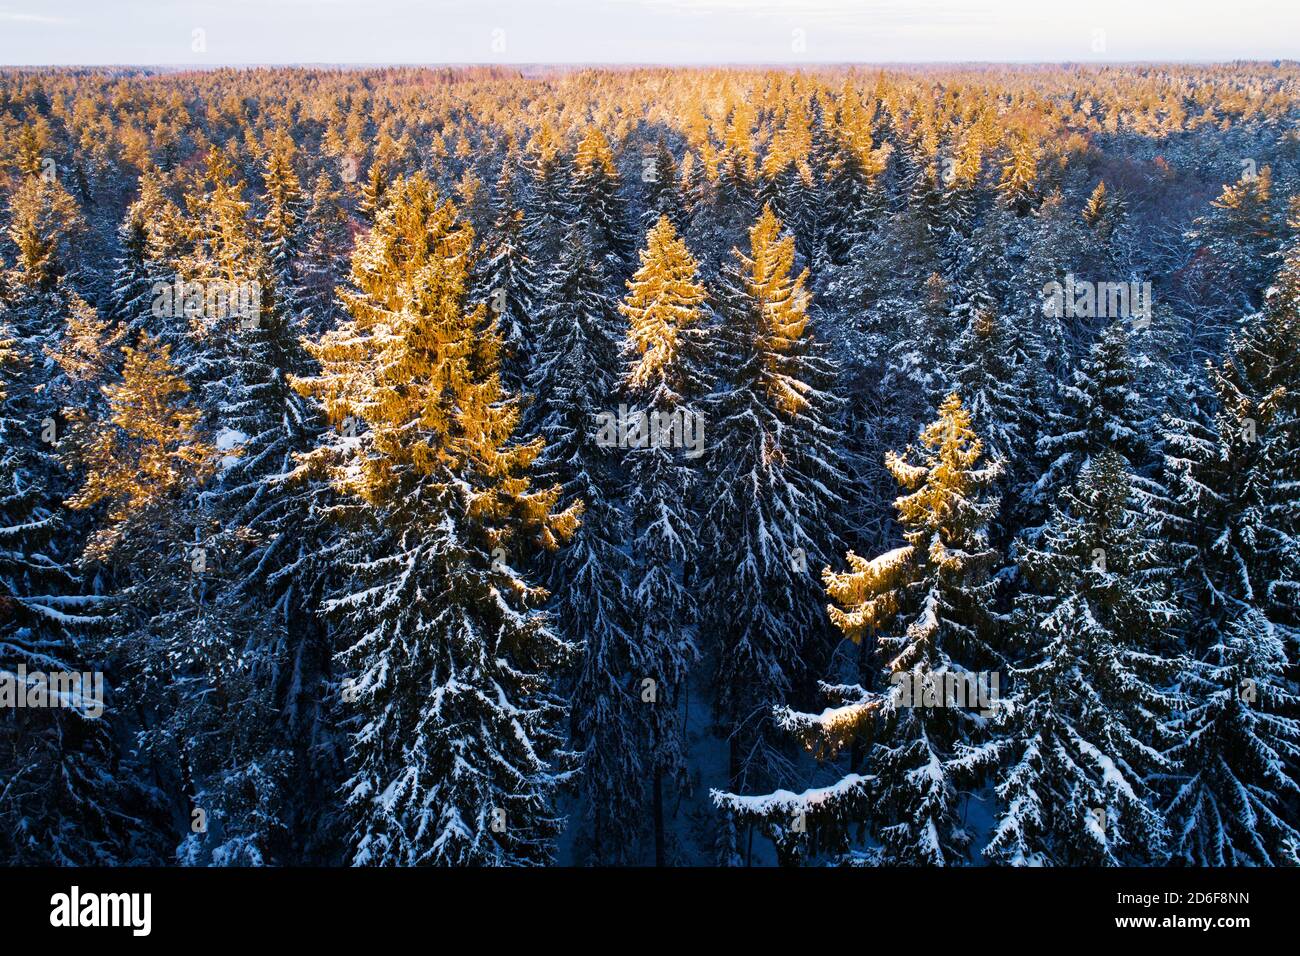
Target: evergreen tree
663,196
1085,728
457,748
141,466
1233,529
67,797
278,566
666,352
775,469
595,189
323,263
282,220
1018,185
1238,236
1102,410
574,379
1236,743
549,199
929,605
151,238
43,220
508,282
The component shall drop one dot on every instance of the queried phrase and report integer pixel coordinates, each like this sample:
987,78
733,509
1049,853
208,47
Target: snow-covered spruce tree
786,182
64,799
506,279
922,215
457,735
932,602
1047,247
223,259
598,205
282,225
1236,741
258,594
43,221
1104,214
849,191
574,380
279,564
141,461
1102,409
1258,386
735,173
930,605
917,340
1018,185
662,190
1237,238
666,353
323,263
1230,512
860,206
990,371
549,201
774,440
149,239
372,193
1086,724
958,252
1231,519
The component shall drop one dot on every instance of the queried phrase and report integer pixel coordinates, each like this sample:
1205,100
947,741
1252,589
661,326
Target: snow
230,440
787,802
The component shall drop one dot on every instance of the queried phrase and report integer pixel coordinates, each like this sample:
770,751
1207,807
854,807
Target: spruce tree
599,207
1086,726
662,188
775,467
666,354
457,744
324,260
68,797
549,201
929,605
142,461
1238,236
574,379
1233,530
506,279
1103,409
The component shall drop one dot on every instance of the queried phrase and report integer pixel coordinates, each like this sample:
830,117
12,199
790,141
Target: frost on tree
930,604
456,732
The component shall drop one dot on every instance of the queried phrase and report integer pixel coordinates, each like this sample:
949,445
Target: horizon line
638,64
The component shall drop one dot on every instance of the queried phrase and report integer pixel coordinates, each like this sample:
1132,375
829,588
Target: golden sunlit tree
446,658
929,604
635,752
42,219
776,469
148,450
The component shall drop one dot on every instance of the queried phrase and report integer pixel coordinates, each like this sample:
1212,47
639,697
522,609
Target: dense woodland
368,590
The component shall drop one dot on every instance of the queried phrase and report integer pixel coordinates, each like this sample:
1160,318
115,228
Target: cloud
9,16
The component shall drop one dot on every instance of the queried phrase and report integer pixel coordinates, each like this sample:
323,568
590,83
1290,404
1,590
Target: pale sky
215,32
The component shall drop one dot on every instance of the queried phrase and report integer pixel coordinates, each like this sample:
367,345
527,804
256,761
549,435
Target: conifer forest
650,466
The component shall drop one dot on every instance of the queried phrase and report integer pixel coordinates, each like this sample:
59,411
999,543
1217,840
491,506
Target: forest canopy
650,466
